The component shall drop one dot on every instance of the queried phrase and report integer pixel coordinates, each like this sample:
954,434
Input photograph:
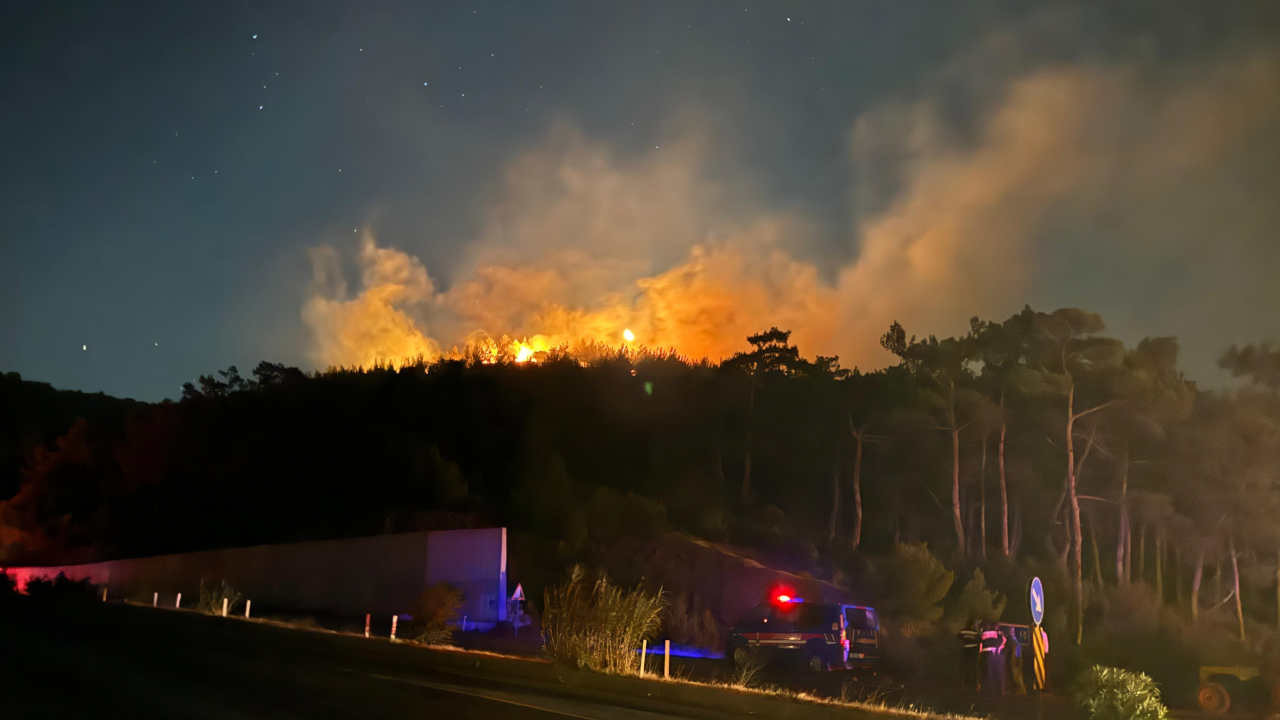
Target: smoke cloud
955,219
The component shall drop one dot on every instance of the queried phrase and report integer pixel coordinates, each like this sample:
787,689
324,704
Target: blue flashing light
685,651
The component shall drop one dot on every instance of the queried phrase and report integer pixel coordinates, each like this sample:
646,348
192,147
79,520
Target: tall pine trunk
1004,489
1160,565
1217,576
1196,577
746,460
835,503
1074,504
1235,580
1177,575
1093,550
955,472
1142,553
1122,533
857,490
982,501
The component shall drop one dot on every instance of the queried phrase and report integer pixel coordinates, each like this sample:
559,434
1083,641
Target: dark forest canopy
1036,439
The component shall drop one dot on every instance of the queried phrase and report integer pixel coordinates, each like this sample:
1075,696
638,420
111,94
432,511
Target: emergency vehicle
824,636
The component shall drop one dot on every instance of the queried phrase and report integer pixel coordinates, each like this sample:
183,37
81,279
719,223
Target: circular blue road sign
1037,600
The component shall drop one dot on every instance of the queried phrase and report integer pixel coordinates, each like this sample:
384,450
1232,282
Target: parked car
823,636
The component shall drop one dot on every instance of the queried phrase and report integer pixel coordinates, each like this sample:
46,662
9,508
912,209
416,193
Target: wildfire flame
584,247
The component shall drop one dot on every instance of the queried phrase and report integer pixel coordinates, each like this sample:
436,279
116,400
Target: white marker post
178,603
224,607
155,599
366,624
104,593
394,620
644,650
666,659
247,604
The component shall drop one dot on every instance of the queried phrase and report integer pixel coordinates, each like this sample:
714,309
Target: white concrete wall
381,574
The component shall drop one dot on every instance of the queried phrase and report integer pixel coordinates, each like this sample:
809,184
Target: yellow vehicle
1221,686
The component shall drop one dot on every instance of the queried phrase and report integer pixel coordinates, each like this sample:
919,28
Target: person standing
971,668
1017,660
994,671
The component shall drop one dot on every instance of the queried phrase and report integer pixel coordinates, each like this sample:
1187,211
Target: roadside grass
632,674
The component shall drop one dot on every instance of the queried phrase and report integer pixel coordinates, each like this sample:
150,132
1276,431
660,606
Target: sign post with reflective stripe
1035,597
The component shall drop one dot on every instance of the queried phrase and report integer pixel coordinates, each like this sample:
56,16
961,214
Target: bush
975,603
1111,693
61,590
437,610
688,623
211,595
612,515
915,582
596,625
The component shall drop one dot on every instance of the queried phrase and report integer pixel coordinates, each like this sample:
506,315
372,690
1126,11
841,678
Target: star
339,171
155,344
426,83
788,19
254,36
355,229
84,348
260,107
463,94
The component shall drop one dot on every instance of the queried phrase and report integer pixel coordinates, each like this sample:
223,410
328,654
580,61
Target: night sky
193,185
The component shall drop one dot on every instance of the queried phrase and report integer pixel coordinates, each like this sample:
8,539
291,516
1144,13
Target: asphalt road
128,662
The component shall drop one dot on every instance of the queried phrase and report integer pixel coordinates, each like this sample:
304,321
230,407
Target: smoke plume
955,219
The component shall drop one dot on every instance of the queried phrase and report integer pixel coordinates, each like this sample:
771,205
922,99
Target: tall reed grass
591,623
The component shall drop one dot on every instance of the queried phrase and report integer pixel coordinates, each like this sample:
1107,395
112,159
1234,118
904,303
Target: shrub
612,515
915,582
211,595
437,610
61,590
597,625
1111,693
688,623
749,667
7,587
975,603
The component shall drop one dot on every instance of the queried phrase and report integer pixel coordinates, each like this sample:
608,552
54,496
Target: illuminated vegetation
1032,445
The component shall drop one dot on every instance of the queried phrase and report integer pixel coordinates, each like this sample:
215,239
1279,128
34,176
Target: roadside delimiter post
666,659
644,649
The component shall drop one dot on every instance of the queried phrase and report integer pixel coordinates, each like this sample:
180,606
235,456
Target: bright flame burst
628,335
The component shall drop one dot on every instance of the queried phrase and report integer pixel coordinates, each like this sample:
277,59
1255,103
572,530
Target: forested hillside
1037,442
